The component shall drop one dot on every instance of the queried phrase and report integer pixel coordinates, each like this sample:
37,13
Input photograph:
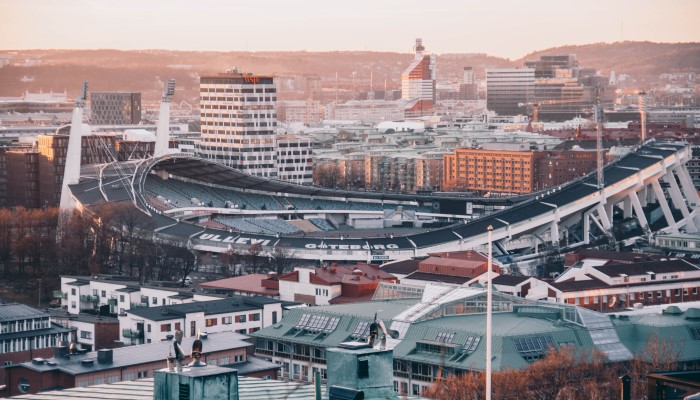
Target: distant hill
111,70
642,60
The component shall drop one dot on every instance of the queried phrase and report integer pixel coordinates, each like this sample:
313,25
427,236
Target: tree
281,259
229,259
252,254
329,175
6,227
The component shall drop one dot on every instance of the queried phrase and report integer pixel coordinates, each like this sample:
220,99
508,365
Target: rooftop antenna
643,115
71,172
163,130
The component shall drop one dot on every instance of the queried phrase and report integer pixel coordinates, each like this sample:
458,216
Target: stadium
214,207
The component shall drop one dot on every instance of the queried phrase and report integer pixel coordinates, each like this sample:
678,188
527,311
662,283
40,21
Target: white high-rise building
418,83
239,119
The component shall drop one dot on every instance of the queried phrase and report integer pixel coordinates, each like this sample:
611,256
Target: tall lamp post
489,308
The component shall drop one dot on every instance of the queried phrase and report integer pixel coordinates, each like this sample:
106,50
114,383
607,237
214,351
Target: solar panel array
361,330
317,323
469,347
695,332
444,336
471,344
533,346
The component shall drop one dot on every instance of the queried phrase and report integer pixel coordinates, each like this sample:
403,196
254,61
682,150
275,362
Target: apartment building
242,314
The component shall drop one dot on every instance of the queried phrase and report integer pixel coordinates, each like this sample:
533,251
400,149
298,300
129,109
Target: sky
505,28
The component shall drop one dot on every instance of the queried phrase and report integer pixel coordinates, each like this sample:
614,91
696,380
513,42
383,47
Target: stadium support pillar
679,201
659,193
627,206
71,171
637,205
604,217
691,194
587,227
554,232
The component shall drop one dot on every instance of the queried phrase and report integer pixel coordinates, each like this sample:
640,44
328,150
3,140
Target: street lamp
488,318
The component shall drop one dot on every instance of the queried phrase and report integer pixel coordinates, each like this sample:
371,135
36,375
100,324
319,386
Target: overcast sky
507,28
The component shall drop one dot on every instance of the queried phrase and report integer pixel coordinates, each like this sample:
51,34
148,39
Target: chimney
61,352
104,356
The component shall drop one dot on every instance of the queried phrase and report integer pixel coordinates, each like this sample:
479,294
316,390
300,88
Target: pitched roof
642,268
509,280
228,305
15,311
427,276
403,267
251,283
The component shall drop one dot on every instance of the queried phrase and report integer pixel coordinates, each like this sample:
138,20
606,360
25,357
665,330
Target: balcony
57,294
139,305
87,298
132,333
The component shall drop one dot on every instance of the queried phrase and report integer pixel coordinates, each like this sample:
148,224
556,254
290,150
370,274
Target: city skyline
509,29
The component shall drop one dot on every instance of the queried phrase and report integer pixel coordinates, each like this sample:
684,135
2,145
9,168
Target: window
129,377
177,326
211,322
83,383
121,298
274,317
165,328
98,381
211,361
238,358
104,294
72,304
72,291
143,374
226,320
85,335
254,317
532,348
148,328
154,301
240,318
363,369
224,361
241,331
113,379
251,330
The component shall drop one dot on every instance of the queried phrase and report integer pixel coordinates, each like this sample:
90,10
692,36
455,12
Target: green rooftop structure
442,331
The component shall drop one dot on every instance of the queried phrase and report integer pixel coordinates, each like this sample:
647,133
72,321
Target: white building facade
238,117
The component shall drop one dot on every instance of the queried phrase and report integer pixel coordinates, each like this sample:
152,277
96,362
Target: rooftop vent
104,356
38,361
673,310
87,363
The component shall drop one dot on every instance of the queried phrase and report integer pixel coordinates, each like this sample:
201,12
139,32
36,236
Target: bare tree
282,259
328,175
229,259
252,254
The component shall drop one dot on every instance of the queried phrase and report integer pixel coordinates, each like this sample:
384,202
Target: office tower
238,117
418,83
509,90
110,108
547,66
467,89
